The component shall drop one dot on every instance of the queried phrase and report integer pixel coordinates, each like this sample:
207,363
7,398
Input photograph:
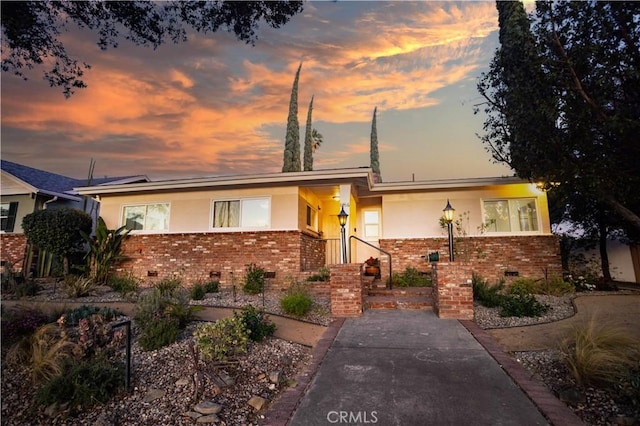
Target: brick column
453,290
346,290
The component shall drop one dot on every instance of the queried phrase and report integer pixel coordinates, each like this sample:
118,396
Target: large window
371,220
146,217
512,215
8,216
243,213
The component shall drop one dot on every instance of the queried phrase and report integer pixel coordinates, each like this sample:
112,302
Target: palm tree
317,140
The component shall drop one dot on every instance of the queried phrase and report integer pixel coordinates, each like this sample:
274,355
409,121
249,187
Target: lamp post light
449,212
342,218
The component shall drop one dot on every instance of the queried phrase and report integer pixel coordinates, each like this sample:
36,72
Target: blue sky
215,106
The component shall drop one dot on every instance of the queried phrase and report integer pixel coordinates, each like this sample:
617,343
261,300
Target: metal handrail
390,284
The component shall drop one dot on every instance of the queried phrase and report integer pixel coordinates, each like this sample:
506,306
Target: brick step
391,302
402,291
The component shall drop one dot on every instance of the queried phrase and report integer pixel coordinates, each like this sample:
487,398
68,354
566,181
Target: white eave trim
445,184
312,177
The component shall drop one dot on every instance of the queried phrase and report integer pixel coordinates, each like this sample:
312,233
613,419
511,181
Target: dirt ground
616,310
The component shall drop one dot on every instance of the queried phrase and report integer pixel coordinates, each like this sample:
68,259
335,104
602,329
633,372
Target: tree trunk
604,257
632,218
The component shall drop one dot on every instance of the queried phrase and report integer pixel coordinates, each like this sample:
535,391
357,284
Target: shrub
75,286
486,294
178,307
257,323
45,351
124,284
600,353
168,286
521,305
159,333
105,250
211,287
411,277
198,291
20,322
222,339
554,286
524,286
27,288
254,279
83,385
297,301
96,337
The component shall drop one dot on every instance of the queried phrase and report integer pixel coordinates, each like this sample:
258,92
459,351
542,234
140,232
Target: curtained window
146,217
511,215
243,213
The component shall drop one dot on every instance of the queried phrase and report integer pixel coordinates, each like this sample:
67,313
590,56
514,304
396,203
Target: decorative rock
257,402
572,396
272,386
262,376
182,382
275,377
212,418
208,407
192,414
154,394
623,420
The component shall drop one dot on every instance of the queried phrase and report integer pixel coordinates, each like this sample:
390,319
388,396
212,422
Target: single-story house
287,223
26,190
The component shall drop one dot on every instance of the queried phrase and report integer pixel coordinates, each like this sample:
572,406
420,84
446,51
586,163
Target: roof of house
41,181
361,177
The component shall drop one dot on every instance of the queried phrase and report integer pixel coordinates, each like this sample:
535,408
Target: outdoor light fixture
342,218
449,213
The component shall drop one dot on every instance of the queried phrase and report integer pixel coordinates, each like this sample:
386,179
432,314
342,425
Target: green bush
75,286
297,301
486,294
257,322
554,286
222,339
169,286
411,277
521,305
254,279
83,385
323,274
159,333
27,288
124,284
212,287
198,291
73,316
105,250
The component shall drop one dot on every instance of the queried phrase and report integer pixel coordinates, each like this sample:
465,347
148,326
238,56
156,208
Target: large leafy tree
563,101
31,29
373,151
291,160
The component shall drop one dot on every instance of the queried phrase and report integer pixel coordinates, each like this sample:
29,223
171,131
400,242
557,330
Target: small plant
254,279
257,322
105,250
83,385
486,294
159,333
600,353
521,305
75,286
27,288
169,286
212,286
73,316
372,261
198,291
223,339
297,301
551,287
20,322
411,277
324,273
178,307
124,284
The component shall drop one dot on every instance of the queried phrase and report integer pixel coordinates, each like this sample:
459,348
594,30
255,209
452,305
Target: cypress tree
291,162
375,157
308,141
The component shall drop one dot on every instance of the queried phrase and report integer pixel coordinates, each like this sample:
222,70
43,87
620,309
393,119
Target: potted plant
372,266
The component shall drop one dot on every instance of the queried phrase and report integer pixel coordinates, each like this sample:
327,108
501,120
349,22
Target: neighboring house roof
361,177
43,182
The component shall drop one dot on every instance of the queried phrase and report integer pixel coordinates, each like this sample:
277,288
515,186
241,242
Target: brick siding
201,256
346,290
12,249
490,257
453,290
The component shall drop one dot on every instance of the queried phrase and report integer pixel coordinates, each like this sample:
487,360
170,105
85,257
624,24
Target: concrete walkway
394,367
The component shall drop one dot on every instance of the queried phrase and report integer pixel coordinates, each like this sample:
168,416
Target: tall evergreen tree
308,140
373,152
291,161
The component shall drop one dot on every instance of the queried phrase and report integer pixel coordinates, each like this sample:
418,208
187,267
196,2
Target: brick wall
453,290
346,290
489,256
12,248
313,253
195,256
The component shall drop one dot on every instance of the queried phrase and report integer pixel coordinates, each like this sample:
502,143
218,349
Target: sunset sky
215,106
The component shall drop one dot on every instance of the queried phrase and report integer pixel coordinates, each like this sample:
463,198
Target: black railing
390,281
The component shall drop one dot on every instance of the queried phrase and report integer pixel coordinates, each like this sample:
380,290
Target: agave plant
105,249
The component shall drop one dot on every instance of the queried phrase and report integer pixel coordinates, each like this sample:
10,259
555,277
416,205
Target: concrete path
394,367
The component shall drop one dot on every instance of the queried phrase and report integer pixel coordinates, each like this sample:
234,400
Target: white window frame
512,217
238,228
143,230
365,236
314,218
